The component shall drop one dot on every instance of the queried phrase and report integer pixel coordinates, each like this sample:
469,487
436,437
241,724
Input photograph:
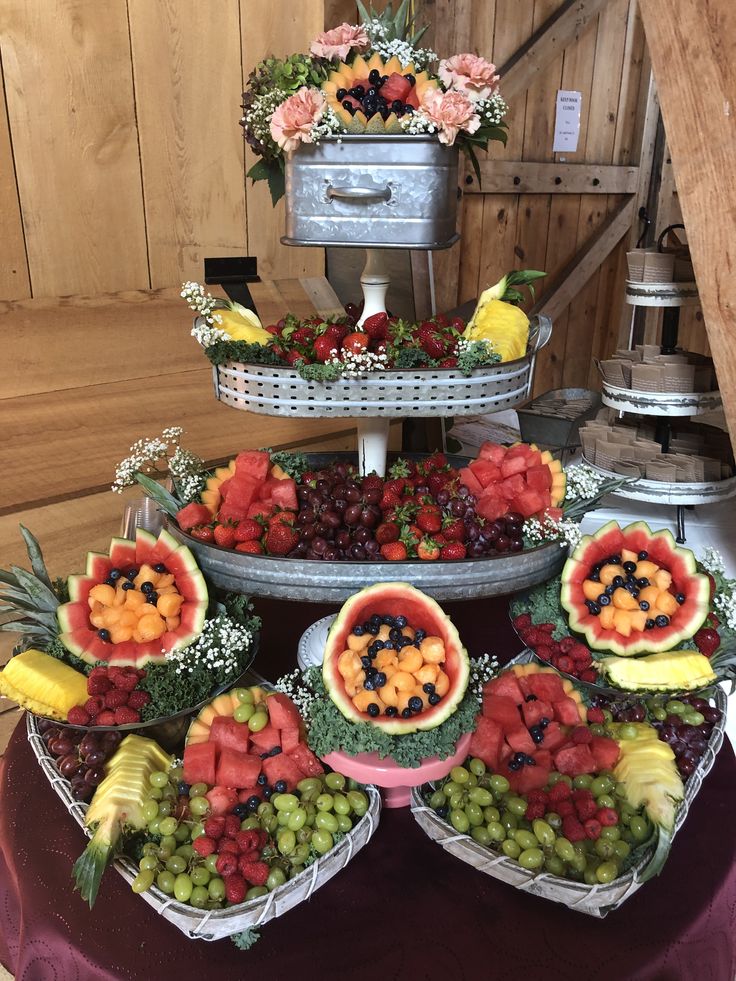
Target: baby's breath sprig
567,533
482,669
359,363
712,561
203,303
295,685
157,457
583,483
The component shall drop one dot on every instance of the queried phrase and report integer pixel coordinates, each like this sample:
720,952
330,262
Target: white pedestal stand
375,280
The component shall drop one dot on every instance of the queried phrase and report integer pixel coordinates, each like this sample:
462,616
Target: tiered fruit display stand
671,298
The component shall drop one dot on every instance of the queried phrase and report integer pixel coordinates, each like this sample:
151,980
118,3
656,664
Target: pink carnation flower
470,74
338,42
292,122
450,112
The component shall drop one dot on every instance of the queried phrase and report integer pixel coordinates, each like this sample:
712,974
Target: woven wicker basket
216,924
595,900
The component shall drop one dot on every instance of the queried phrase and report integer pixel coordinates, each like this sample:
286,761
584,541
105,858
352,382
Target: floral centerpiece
369,78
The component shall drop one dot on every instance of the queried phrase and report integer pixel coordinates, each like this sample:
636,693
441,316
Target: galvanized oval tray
660,403
663,492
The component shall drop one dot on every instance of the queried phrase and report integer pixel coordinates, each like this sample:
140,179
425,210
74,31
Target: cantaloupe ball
433,650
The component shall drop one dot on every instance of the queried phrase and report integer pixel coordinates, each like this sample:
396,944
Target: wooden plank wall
121,157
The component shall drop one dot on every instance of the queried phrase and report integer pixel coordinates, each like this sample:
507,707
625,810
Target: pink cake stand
395,781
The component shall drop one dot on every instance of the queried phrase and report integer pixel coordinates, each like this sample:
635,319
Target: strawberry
372,481
428,550
214,827
376,326
225,535
387,532
255,873
282,518
294,357
125,716
235,886
437,480
355,342
105,718
115,698
454,530
203,845
432,342
203,533
137,699
429,519
325,348
707,641
450,362
336,333
78,716
453,550
394,551
252,548
458,324
281,538
592,829
303,336
389,501
274,329
248,530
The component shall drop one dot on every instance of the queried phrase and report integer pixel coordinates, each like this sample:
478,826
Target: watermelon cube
503,710
397,87
520,740
512,487
530,778
486,472
282,712
605,752
305,759
554,737
253,464
543,758
530,502
566,712
539,478
236,769
493,452
266,488
283,493
247,792
266,739
574,760
412,98
242,492
534,711
223,488
513,465
192,515
505,684
282,767
486,742
546,685
290,737
199,763
260,509
468,478
226,733
491,506
221,800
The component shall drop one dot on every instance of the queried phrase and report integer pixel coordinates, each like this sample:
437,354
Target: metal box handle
347,193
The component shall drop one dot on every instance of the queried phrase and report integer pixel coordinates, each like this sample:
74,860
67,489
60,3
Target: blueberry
253,803
594,577
372,629
389,646
358,630
593,608
369,684
617,582
389,621
349,106
131,573
401,622
604,600
261,779
380,679
643,605
115,574
680,597
661,620
274,751
365,661
391,711
183,788
397,105
643,555
109,581
240,811
629,566
394,634
152,598
642,583
280,787
530,761
358,92
443,811
514,765
407,713
596,568
519,757
410,79
103,634
615,560
415,703
408,110
609,590
428,688
340,94
537,734
371,672
544,722
146,587
160,567
419,636
373,710
649,624
434,698
267,791
374,76
530,698
128,585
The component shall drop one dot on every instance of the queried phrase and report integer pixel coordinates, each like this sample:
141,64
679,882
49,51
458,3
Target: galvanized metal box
372,191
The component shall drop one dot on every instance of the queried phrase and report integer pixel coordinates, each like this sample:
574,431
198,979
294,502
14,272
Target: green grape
605,800
604,848
197,829
326,822
675,707
182,833
693,718
526,839
210,863
149,863
581,781
309,784
491,814
265,809
477,767
659,714
554,865
472,781
269,824
165,881
155,793
143,881
457,800
459,821
509,821
611,833
168,826
286,842
510,848
244,712
597,729
524,824
243,695
216,889
335,781
485,781
285,802
198,790
543,833
255,892
276,878
622,849
304,834
516,805
200,875
608,715
300,854
459,774
627,836
252,823
183,887
176,864
606,872
639,828
620,790
578,861
322,841
325,802
198,806
164,808
295,870
149,810
154,827
296,819
450,787
341,804
553,820
496,831
590,875
200,897
474,814
310,796
601,785
258,721
282,818
481,835
531,858
169,793
481,796
163,854
358,801
499,784
186,851
159,779
344,823
627,731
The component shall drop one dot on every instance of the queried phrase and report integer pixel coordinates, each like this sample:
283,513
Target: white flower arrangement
218,646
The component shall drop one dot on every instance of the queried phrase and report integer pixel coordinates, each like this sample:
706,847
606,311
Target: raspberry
572,829
98,672
232,825
546,628
203,845
214,827
544,651
586,809
115,698
560,791
105,718
522,621
592,829
535,809
142,673
78,716
596,716
565,663
262,838
125,716
98,685
126,682
227,845
566,644
235,888
565,808
114,672
92,706
255,872
582,793
590,675
137,699
579,652
537,796
607,817
581,735
536,636
247,840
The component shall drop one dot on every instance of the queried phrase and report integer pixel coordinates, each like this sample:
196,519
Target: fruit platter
571,800
632,611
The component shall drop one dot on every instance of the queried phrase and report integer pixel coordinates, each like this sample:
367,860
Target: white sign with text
567,121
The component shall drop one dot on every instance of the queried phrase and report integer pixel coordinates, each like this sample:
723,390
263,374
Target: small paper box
659,470
647,377
613,372
679,378
659,267
626,468
635,262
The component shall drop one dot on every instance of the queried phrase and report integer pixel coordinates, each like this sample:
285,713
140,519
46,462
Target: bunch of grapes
80,756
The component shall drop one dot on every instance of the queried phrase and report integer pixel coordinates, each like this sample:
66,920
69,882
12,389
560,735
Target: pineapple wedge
43,684
116,807
668,671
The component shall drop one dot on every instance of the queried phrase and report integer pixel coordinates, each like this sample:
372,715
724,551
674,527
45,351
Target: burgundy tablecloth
402,909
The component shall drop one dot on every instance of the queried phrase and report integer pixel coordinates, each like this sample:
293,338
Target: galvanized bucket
372,191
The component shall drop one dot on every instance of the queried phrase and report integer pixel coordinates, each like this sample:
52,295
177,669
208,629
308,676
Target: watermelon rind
664,550
393,599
